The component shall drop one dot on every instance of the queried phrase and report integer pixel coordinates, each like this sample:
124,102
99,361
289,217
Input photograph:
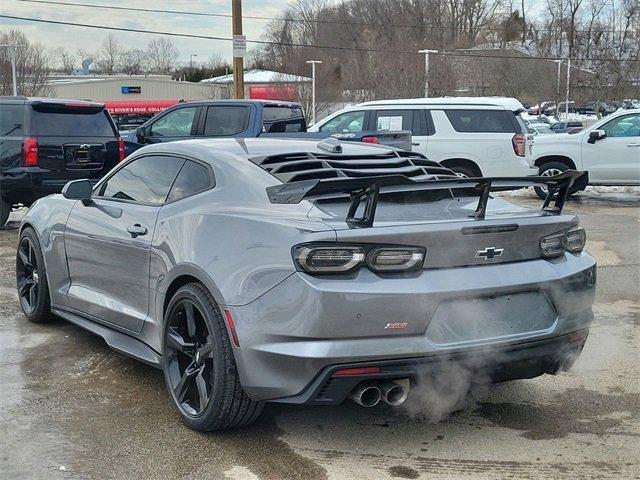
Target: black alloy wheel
31,278
189,351
199,364
27,276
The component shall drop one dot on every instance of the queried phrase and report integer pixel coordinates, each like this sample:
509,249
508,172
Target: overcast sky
90,39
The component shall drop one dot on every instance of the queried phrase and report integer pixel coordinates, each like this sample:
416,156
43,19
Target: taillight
337,258
121,151
30,152
370,140
576,239
328,259
572,241
519,144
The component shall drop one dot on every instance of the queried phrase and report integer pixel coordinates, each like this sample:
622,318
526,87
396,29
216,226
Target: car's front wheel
199,367
31,278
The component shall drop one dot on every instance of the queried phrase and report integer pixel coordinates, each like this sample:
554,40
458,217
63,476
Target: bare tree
162,55
32,68
67,61
133,62
109,55
374,43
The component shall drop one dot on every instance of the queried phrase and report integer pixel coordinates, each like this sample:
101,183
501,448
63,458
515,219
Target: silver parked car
255,270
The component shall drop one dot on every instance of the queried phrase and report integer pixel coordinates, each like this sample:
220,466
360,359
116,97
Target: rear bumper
292,334
498,364
26,185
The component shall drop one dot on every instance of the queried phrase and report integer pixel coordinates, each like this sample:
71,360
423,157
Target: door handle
136,230
633,144
415,144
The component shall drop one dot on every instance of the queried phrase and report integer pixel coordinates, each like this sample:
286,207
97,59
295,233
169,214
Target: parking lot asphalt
72,408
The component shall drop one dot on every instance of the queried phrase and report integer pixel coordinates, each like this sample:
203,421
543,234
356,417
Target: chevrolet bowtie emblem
489,253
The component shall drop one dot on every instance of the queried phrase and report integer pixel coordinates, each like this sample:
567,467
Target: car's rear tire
5,210
199,368
31,278
463,171
550,169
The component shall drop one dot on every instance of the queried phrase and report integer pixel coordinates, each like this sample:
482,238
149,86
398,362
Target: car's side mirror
595,135
78,190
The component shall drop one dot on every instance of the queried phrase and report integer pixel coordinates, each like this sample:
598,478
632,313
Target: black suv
45,142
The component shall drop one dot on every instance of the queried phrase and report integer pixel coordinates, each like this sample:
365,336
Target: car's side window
193,178
11,120
395,120
347,122
145,180
625,126
483,121
226,120
177,123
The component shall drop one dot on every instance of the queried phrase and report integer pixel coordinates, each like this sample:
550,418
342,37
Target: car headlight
556,244
324,258
576,238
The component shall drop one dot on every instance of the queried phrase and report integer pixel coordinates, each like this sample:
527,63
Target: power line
282,19
298,45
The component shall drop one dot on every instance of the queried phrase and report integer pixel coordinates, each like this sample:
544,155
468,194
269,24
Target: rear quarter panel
230,238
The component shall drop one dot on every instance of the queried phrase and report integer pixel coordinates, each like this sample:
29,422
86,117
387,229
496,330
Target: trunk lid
509,233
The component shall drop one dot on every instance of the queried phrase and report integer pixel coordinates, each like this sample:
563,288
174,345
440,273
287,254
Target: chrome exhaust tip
394,393
366,395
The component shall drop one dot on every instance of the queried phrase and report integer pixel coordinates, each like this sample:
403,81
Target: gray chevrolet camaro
256,270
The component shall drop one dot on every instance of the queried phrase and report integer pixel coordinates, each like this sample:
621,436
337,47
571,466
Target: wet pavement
71,408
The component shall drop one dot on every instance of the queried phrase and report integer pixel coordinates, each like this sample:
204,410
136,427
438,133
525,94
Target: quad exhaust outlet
366,395
393,393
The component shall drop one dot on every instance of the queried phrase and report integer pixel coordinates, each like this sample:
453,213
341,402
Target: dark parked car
44,143
244,119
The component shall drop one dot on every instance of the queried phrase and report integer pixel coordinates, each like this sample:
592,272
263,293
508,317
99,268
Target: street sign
239,46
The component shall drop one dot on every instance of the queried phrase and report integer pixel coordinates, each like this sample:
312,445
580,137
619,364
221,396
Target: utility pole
313,89
12,55
566,107
426,70
238,61
559,62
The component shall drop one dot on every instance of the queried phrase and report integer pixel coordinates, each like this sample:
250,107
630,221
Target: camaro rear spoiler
367,189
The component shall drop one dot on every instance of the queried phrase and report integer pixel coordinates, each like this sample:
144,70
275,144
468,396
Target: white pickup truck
609,150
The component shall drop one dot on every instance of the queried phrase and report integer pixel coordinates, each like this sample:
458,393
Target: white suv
473,136
609,150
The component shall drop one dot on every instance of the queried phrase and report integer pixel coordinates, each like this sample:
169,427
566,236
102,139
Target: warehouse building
262,85
131,88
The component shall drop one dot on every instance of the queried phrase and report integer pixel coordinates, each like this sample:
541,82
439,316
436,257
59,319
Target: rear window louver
299,166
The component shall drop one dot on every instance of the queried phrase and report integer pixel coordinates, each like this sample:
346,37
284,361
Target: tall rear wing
367,190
